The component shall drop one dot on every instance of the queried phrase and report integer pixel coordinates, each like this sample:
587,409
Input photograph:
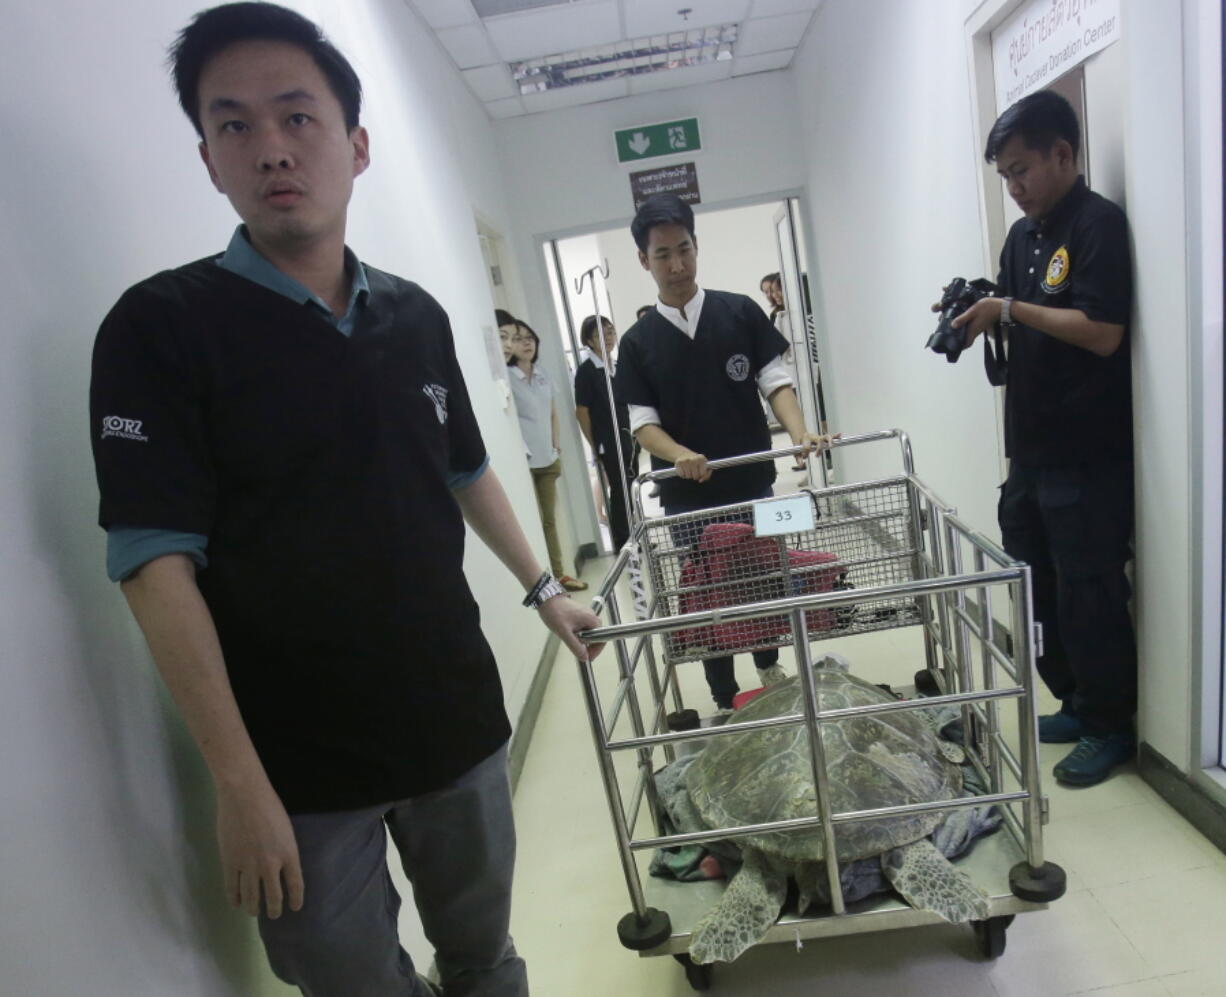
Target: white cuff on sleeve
642,415
774,376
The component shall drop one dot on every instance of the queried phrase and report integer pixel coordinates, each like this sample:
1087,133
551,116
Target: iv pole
636,578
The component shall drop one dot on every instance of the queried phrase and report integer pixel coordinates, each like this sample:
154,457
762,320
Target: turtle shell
883,760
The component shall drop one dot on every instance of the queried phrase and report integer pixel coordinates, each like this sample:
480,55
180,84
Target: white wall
1154,154
894,212
107,856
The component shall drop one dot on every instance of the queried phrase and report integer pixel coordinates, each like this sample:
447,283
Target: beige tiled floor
1145,914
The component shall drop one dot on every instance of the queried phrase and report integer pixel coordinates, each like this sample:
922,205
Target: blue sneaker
1060,728
1094,758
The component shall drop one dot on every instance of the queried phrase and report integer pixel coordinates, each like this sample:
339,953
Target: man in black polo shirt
691,372
287,456
1066,507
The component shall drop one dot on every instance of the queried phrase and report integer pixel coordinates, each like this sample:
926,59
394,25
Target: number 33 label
774,517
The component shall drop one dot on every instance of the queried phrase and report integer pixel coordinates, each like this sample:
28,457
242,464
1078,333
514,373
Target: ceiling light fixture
675,50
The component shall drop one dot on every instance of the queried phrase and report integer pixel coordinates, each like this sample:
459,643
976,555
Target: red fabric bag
742,568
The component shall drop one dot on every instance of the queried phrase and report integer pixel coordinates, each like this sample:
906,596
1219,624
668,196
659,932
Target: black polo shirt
706,392
1063,404
317,465
592,393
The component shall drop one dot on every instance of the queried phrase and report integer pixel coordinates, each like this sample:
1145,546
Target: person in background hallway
771,287
691,373
592,413
1066,507
538,422
287,458
643,310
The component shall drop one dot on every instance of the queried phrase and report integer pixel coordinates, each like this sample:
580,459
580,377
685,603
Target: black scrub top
317,465
592,393
706,392
1063,404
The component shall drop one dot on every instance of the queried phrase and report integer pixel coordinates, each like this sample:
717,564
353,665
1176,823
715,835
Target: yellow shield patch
1057,271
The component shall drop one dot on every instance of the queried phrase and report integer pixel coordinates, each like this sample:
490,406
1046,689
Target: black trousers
613,477
720,672
1073,526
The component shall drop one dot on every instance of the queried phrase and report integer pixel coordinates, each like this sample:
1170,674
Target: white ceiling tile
743,65
490,82
689,76
554,30
770,8
583,93
469,46
769,34
651,17
446,13
510,108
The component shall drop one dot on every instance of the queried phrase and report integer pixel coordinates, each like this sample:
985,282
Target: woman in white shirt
538,423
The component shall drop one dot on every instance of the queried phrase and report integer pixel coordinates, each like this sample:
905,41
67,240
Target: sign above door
669,138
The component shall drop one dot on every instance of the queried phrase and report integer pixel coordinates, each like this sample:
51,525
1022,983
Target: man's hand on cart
691,466
566,619
814,442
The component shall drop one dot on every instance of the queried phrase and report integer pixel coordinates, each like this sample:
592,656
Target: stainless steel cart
877,555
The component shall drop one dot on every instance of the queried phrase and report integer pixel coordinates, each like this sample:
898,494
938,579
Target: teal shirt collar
242,258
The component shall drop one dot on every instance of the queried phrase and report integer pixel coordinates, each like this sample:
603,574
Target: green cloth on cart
859,879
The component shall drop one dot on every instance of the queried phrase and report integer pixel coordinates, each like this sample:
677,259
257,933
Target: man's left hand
566,619
980,317
814,443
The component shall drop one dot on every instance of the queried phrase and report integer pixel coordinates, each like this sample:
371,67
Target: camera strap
995,362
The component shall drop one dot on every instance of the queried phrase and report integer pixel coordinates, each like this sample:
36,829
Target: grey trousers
457,848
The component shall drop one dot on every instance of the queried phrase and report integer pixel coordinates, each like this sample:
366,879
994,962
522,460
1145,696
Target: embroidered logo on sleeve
1057,271
125,429
737,367
437,394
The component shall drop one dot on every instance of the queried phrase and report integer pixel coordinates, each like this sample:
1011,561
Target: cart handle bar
753,458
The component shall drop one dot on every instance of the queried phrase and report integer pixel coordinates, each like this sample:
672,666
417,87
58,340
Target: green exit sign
669,138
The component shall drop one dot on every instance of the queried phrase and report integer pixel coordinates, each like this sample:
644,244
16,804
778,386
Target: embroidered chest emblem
125,429
1057,271
737,366
437,394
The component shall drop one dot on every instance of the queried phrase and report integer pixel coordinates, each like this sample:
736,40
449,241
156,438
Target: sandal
572,584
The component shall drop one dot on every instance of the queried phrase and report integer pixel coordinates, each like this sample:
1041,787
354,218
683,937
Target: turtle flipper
750,905
928,881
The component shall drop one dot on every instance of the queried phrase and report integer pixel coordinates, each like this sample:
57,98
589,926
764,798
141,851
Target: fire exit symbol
664,139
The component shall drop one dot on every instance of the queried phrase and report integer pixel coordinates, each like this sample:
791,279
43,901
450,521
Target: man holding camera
1067,506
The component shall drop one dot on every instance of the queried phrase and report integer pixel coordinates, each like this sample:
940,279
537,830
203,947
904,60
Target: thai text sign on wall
1044,39
681,180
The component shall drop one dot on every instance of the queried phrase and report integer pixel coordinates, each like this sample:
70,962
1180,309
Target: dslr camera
959,295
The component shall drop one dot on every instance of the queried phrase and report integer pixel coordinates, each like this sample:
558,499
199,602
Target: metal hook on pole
591,272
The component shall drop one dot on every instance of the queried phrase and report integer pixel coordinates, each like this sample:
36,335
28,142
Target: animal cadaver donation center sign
1044,39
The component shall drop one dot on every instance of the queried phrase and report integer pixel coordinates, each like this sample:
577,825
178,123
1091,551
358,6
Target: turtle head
834,662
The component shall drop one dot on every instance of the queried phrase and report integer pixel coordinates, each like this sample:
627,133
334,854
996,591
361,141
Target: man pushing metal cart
903,793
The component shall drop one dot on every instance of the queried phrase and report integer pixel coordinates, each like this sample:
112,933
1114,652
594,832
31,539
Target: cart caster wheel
926,683
640,934
990,936
697,975
1041,885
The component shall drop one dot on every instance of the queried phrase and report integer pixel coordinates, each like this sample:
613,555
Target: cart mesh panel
710,559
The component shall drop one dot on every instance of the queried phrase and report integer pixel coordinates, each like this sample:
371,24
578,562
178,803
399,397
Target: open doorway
738,248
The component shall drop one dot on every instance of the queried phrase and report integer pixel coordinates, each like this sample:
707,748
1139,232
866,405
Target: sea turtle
881,760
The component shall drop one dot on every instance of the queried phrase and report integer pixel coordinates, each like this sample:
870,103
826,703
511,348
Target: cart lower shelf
987,864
